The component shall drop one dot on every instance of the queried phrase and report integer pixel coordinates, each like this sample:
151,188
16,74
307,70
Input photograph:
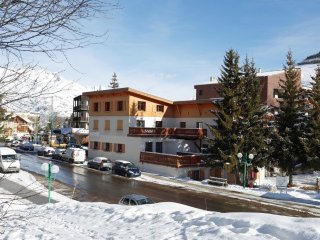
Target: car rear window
144,201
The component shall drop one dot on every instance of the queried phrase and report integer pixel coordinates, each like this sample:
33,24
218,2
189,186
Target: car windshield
105,161
129,165
144,201
9,157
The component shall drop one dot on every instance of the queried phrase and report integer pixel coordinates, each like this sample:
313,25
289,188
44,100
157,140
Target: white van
9,161
74,155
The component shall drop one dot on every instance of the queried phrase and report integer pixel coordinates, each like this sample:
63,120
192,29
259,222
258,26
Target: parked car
9,161
58,153
100,163
15,143
28,146
74,155
45,151
125,168
134,199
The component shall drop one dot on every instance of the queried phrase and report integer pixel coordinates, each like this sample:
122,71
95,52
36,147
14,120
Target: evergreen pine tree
287,144
251,123
314,136
225,143
114,81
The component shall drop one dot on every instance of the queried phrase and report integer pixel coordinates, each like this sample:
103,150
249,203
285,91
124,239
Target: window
140,123
199,125
120,106
182,124
96,107
95,125
119,125
159,124
148,147
107,125
107,106
141,106
107,147
277,93
200,92
96,145
160,108
159,147
119,148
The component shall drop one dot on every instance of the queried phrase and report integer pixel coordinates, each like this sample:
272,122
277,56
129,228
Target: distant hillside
61,103
312,59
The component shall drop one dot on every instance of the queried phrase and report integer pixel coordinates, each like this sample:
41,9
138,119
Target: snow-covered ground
69,219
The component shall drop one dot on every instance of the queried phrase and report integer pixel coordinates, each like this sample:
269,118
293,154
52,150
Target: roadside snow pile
75,220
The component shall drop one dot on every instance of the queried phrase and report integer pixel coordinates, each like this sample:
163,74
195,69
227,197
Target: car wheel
126,174
70,160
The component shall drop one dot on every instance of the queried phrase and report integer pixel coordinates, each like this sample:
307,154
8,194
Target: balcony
185,133
170,160
80,108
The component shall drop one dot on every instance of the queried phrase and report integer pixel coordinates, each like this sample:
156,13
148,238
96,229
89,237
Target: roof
122,161
270,73
6,150
193,101
135,196
129,91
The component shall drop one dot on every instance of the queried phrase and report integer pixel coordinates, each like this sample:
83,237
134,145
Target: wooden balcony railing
196,133
170,160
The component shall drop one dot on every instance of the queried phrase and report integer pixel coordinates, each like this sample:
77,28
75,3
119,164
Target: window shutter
100,145
115,147
91,145
110,147
107,125
123,148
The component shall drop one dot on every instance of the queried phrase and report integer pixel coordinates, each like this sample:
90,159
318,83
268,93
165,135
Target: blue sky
165,47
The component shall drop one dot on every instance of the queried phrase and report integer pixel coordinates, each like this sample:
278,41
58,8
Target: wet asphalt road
96,186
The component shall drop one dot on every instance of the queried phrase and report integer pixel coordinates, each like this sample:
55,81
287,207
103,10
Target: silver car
135,199
100,163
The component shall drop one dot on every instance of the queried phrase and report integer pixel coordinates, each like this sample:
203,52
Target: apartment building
80,113
156,134
270,90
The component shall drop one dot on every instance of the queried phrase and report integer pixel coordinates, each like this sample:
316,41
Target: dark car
125,168
100,163
28,146
134,199
45,151
58,153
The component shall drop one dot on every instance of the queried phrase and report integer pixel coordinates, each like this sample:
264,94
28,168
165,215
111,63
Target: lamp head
239,155
251,156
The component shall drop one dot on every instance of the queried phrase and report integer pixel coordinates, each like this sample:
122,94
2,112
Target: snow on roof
269,73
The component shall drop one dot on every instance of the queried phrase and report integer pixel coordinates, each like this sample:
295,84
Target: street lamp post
246,161
50,170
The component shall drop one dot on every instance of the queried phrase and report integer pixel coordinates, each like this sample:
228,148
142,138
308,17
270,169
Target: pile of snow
157,221
70,219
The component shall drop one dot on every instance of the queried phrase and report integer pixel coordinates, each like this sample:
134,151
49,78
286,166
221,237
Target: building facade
156,134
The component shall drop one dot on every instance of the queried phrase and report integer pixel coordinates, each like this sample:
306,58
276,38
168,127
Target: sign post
50,170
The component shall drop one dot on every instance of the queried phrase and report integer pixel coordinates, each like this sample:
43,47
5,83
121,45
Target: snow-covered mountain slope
307,71
57,97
